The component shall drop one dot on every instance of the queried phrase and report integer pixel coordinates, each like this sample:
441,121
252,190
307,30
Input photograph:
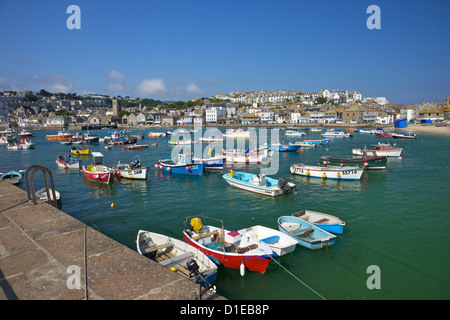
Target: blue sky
173,50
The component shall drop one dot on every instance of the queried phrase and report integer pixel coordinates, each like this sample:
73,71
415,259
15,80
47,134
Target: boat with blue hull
284,147
324,221
259,183
184,165
214,163
307,234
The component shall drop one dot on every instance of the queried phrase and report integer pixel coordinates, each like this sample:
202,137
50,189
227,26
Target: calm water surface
396,219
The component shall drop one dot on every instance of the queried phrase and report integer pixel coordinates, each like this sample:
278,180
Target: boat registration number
137,171
346,172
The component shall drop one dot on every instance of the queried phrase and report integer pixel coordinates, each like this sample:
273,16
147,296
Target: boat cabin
97,160
185,158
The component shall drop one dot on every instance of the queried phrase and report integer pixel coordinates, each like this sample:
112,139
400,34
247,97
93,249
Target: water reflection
99,190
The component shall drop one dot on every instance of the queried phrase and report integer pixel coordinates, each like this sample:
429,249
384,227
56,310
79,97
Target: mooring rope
300,280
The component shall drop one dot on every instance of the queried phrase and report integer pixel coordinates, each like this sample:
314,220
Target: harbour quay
45,254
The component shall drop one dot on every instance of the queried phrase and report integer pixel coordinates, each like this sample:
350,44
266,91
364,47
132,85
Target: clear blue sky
174,50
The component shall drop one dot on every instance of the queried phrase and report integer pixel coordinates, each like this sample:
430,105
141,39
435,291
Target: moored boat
12,176
68,163
294,133
184,165
156,134
403,136
324,221
369,162
229,248
83,151
97,171
380,149
61,135
307,234
259,183
336,133
237,133
42,194
246,156
177,255
133,170
328,172
284,147
26,134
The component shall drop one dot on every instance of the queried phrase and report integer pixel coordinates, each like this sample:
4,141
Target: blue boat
214,163
318,141
259,183
11,176
324,221
284,147
184,165
307,234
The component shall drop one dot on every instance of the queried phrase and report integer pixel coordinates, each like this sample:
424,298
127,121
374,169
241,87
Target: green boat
369,162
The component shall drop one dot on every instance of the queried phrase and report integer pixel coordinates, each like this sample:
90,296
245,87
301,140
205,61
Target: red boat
97,171
25,134
227,247
383,134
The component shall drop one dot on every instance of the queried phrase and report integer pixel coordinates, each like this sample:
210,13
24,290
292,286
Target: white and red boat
97,171
230,248
25,133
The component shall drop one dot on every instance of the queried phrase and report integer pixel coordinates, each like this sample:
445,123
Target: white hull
268,191
329,172
140,173
387,153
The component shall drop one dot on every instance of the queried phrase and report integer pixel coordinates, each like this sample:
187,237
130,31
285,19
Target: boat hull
255,263
370,163
186,169
73,164
272,190
104,176
324,221
215,163
328,172
140,173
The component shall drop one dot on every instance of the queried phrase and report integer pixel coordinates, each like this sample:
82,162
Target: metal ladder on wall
29,173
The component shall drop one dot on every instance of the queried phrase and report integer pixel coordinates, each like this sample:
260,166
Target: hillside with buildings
47,110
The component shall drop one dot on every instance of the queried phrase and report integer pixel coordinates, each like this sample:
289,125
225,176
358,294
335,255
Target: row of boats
207,244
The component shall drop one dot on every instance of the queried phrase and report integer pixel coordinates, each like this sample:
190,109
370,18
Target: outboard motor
193,268
284,185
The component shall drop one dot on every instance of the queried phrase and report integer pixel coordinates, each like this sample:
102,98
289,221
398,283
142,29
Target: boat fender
242,269
325,162
188,168
156,165
307,172
230,173
338,175
366,164
168,168
324,175
341,165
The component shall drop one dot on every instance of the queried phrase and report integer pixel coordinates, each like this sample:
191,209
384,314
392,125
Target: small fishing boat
184,165
380,149
324,221
180,142
302,144
307,234
135,147
315,129
12,176
237,133
259,183
177,255
369,162
61,135
336,133
133,170
294,133
403,136
68,163
246,156
66,142
156,134
211,139
23,144
26,134
97,171
318,141
83,151
90,138
42,194
214,163
284,147
328,172
229,248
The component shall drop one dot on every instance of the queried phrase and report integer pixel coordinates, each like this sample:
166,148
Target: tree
29,97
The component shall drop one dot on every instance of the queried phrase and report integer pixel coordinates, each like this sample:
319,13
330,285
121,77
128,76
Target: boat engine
284,185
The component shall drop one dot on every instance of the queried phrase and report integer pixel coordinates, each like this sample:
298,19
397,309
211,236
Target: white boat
4,140
42,194
133,170
259,183
327,172
302,144
23,144
324,221
211,139
25,133
335,133
279,242
68,163
245,156
237,133
380,149
156,134
177,255
294,133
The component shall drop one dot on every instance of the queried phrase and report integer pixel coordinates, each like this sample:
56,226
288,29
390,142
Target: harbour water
396,219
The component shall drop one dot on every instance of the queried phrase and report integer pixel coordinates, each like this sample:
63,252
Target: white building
381,100
266,117
214,113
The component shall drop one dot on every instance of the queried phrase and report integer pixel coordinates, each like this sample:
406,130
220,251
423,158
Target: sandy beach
416,128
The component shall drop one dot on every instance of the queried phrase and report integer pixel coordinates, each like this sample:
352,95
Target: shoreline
417,128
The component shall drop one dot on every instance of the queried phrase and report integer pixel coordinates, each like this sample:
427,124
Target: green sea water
396,219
